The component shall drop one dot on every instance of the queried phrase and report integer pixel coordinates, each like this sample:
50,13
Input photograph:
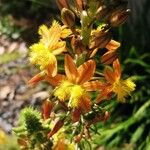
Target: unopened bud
57,126
68,17
106,116
79,4
77,45
62,4
102,12
76,115
46,109
119,18
109,57
100,40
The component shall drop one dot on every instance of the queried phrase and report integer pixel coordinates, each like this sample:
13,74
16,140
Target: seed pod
79,4
77,45
102,12
100,40
68,17
119,18
62,4
109,57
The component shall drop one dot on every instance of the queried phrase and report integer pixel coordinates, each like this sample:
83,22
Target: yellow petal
59,48
123,88
65,32
44,31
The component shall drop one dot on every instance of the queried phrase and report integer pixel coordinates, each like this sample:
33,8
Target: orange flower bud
57,126
46,109
76,115
119,18
79,4
62,3
68,17
106,116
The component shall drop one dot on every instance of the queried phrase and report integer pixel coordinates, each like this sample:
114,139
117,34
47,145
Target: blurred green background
129,124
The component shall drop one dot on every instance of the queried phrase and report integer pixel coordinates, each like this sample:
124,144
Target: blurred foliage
128,127
33,9
7,57
7,142
8,28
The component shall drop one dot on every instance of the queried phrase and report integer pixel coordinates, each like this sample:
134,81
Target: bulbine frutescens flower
51,44
115,84
77,92
75,85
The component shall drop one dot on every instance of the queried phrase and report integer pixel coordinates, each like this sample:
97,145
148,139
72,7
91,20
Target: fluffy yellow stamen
70,91
76,93
123,88
63,91
41,56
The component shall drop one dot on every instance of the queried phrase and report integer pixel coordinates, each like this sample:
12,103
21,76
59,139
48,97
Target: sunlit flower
44,53
75,86
122,88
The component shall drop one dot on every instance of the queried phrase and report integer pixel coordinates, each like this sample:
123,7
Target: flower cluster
85,81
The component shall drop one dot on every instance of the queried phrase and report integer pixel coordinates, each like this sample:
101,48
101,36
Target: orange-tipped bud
117,19
100,40
57,126
109,57
62,4
46,109
68,17
106,116
36,79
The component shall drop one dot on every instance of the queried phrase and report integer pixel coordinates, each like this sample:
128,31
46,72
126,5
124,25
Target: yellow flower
122,88
44,53
75,86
